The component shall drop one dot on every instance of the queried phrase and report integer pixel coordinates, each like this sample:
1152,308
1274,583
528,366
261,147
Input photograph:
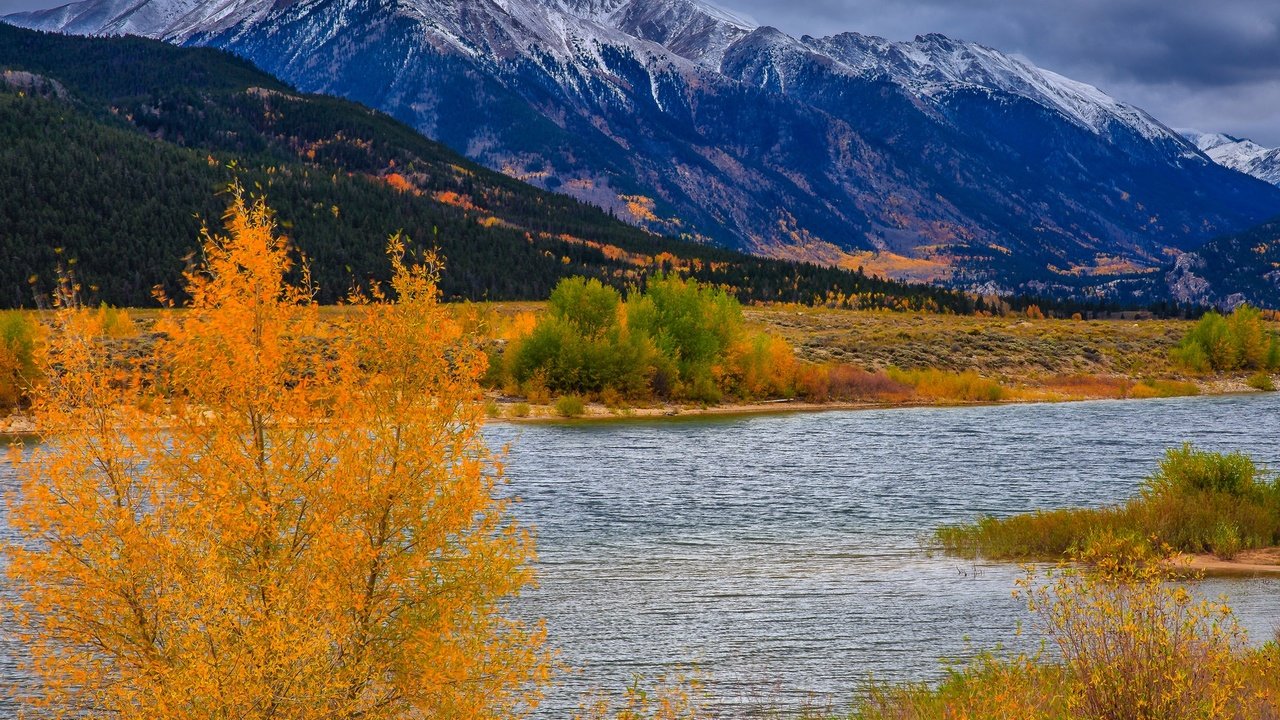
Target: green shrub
1225,541
1262,380
678,340
1187,469
690,324
1225,344
581,345
520,410
587,305
1192,356
570,406
18,372
1195,502
1253,344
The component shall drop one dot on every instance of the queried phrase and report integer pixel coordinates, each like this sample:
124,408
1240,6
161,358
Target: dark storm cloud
13,6
1214,64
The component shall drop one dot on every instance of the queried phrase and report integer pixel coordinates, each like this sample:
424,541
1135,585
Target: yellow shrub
519,326
760,366
19,333
116,322
675,698
1134,645
934,384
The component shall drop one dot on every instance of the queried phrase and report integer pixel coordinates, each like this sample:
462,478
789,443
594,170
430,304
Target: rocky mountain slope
932,159
1242,267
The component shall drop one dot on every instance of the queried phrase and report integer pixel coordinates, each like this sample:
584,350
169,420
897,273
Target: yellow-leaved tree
273,515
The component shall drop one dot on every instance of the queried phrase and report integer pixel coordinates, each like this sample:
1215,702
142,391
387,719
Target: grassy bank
820,358
1195,502
854,358
1127,643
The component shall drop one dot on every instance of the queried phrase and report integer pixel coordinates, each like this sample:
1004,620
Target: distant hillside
115,150
1230,270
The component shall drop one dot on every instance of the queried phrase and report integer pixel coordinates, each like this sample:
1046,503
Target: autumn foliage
274,516
1239,341
1126,641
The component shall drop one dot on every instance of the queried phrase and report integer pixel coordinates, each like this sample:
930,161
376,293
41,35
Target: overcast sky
1213,65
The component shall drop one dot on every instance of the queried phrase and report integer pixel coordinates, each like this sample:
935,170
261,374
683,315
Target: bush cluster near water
677,339
18,332
1240,341
682,340
1195,502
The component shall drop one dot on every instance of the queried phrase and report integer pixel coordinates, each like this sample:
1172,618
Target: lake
781,555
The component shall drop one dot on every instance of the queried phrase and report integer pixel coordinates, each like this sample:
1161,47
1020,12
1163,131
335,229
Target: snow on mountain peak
684,31
934,64
1240,154
935,149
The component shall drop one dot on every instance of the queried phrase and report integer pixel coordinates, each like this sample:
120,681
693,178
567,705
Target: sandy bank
507,409
1250,563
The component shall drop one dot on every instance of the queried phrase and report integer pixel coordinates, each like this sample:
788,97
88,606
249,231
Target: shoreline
1262,563
21,425
596,412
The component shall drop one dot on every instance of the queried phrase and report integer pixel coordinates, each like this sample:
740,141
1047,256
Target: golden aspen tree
275,515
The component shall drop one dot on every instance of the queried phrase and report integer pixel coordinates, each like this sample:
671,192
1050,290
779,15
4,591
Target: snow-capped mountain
934,65
697,31
933,158
1238,154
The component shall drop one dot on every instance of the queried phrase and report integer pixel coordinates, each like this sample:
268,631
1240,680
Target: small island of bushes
1195,502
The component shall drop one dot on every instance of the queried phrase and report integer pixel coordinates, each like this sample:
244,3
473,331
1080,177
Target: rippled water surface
781,555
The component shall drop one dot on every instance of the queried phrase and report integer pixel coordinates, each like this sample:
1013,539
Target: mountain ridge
932,159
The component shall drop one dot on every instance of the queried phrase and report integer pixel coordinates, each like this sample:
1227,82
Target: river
781,556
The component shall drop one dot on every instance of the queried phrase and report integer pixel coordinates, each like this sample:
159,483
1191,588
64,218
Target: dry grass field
1007,348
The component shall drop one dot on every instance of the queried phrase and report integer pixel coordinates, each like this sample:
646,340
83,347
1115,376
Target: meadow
852,358
791,357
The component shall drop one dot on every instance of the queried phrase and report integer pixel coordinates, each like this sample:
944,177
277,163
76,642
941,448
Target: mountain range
117,151
933,159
